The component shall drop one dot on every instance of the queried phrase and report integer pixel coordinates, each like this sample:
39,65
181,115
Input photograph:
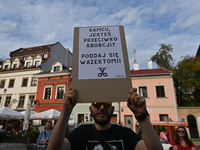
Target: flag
10,105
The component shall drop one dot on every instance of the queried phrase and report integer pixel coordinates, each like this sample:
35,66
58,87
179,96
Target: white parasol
31,113
27,116
6,113
48,114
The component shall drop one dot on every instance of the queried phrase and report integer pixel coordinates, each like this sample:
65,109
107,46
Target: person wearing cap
115,137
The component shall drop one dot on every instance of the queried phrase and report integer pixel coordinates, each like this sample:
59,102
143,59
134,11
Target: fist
136,103
69,98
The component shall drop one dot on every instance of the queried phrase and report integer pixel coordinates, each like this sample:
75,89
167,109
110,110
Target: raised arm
58,140
137,105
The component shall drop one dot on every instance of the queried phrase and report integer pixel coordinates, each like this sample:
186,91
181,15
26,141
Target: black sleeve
132,139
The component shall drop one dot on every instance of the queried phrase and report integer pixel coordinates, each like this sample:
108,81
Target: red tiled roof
31,49
162,70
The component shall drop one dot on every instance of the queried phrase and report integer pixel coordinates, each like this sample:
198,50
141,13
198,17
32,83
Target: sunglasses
106,105
181,131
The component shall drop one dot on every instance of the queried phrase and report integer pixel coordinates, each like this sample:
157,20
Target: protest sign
100,67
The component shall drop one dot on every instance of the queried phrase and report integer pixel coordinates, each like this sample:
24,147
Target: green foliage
20,134
31,132
163,56
187,81
17,123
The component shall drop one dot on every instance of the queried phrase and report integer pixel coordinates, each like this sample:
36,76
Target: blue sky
147,24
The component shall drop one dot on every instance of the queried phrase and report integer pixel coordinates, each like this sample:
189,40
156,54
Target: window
21,101
57,68
45,55
34,82
2,83
24,82
60,92
160,91
11,84
47,93
37,63
164,118
7,103
143,91
28,64
32,98
14,66
6,67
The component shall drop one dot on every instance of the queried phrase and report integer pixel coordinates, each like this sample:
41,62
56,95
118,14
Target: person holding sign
104,135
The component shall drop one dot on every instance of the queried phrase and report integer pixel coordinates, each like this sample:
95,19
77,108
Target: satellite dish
14,100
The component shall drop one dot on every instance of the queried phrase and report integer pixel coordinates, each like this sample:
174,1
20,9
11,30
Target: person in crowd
7,129
103,134
44,137
163,136
182,141
14,130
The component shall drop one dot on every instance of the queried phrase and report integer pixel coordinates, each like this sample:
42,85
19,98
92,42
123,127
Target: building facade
17,81
192,116
157,86
51,88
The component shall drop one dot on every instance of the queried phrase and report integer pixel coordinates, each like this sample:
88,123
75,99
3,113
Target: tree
187,81
163,56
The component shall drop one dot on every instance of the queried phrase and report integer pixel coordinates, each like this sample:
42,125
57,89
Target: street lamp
5,90
70,71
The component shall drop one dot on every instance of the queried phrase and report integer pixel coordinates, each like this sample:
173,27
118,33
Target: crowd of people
103,135
7,129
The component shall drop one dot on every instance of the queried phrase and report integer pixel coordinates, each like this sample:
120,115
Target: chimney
150,66
135,66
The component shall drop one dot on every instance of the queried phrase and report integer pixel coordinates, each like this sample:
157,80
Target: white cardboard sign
100,53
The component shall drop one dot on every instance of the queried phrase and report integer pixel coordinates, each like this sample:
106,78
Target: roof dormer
57,67
37,60
7,64
15,63
28,62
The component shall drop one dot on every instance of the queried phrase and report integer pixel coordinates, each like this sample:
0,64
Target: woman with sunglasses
182,141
